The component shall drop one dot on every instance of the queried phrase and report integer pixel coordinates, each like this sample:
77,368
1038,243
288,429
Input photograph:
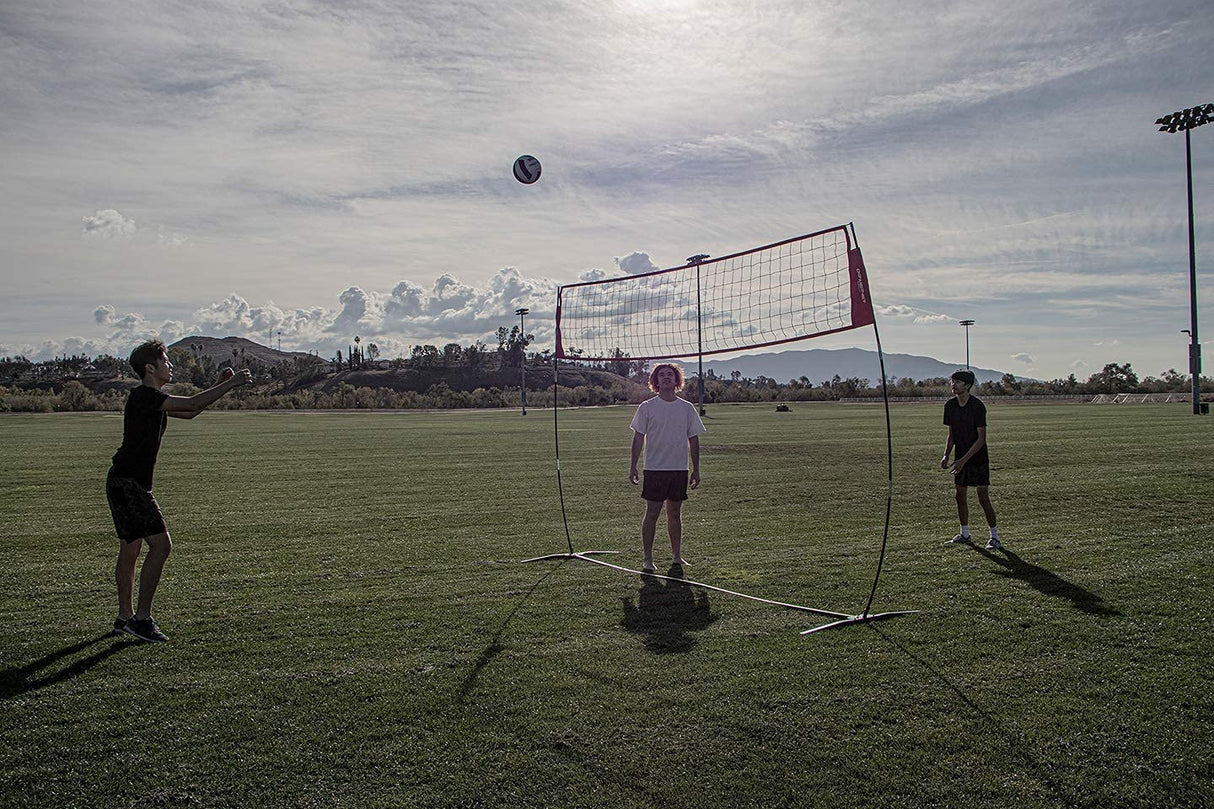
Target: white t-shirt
666,427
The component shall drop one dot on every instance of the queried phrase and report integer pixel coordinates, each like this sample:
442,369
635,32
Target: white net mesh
792,290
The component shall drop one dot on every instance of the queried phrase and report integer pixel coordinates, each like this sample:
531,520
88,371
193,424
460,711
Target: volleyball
527,169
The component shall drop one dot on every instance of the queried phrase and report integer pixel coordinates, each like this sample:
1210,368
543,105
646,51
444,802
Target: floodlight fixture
1185,121
967,324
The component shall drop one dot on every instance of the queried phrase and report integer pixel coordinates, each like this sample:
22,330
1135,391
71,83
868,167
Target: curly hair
678,376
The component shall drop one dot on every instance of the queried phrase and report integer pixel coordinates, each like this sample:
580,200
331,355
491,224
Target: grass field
351,625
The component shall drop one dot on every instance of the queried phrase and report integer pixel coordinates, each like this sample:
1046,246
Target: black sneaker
145,630
119,626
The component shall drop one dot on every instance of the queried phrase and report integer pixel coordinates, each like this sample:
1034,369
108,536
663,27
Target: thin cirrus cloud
353,161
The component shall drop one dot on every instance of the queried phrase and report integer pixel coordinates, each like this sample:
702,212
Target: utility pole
522,336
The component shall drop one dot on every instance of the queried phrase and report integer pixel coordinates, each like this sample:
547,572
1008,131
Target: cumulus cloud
635,263
108,224
895,310
1023,357
932,318
103,314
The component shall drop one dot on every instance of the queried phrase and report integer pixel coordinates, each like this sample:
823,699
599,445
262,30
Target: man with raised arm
128,486
668,429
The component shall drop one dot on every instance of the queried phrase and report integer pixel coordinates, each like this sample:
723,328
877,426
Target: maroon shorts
662,484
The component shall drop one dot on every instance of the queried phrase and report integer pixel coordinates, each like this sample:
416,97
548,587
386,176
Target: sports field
352,627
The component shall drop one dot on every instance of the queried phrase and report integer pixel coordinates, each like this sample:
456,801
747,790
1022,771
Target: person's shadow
1048,582
19,680
666,611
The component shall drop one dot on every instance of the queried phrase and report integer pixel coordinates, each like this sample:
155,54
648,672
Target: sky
299,173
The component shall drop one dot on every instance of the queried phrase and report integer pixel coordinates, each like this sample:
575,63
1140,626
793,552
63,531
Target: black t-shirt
965,422
143,425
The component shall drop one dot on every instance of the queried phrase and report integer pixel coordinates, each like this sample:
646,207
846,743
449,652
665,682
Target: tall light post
967,324
697,260
522,337
1185,120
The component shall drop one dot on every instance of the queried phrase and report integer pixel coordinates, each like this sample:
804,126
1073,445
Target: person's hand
225,375
243,377
957,465
633,477
695,480
944,462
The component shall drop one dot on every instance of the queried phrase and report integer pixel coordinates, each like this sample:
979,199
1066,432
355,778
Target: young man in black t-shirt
965,416
128,486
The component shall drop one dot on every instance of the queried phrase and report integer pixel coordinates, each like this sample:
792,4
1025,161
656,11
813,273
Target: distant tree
452,355
373,351
1114,378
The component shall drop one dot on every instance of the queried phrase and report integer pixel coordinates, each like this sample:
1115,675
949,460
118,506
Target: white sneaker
648,567
960,539
994,545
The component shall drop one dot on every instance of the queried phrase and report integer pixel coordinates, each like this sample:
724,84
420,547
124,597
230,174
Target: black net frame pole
556,440
889,449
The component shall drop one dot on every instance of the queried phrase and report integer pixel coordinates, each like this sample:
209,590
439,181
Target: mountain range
822,364
817,364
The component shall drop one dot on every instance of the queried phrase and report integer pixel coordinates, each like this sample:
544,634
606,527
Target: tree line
71,383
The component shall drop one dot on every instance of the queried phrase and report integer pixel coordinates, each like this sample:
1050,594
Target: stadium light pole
696,259
1186,120
522,336
967,324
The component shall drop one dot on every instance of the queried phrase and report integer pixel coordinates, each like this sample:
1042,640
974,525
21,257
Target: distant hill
821,364
220,350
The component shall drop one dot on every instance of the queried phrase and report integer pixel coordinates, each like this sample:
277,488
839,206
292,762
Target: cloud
895,310
932,318
635,264
1023,357
108,224
103,314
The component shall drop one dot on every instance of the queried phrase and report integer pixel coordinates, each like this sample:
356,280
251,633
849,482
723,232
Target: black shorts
135,511
974,474
662,484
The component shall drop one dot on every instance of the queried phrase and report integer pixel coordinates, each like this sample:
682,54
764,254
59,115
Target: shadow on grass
1016,744
1048,582
495,644
23,679
666,611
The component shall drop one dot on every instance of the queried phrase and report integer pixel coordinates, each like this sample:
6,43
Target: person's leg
124,575
963,511
984,499
159,548
674,527
649,527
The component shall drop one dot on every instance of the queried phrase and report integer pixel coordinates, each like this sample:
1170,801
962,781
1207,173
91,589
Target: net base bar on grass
792,290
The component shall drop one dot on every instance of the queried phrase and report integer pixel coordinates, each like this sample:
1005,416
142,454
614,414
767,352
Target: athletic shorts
973,474
135,511
662,484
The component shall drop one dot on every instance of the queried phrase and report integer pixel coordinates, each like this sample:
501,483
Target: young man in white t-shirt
668,428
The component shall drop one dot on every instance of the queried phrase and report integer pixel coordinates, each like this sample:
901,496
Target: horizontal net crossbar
791,290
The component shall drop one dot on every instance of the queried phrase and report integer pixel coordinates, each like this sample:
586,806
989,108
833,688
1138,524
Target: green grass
351,625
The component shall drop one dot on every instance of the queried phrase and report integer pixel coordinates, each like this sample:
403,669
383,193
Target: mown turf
351,624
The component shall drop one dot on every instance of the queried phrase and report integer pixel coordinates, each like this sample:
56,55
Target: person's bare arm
200,401
693,444
638,441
